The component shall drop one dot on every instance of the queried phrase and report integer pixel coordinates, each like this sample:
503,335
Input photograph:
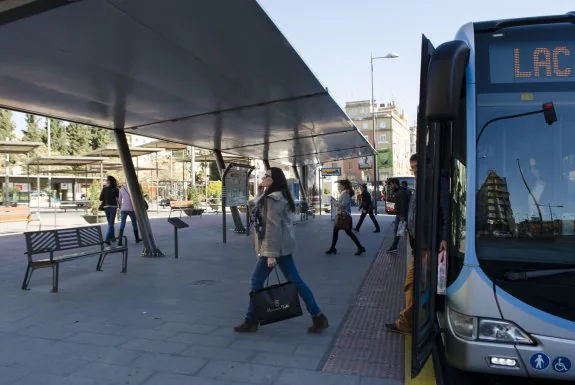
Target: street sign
331,171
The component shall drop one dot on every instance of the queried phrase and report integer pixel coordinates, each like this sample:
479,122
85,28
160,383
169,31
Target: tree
7,126
79,138
214,172
58,137
99,138
33,132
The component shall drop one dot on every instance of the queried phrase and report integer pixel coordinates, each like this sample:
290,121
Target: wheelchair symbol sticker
561,364
539,361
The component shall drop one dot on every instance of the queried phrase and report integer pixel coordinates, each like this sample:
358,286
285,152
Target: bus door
440,103
426,190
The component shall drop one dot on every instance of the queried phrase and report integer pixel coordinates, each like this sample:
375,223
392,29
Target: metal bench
51,243
64,205
16,214
185,206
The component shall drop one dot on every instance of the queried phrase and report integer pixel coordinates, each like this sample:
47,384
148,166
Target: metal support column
150,248
7,181
193,165
266,164
221,167
301,186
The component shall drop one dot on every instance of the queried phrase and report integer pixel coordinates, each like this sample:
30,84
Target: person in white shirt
127,209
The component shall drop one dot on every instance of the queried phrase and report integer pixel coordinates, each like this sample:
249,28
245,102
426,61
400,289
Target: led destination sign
527,62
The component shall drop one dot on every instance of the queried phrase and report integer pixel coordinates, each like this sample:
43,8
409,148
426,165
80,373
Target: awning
113,152
216,74
16,147
65,161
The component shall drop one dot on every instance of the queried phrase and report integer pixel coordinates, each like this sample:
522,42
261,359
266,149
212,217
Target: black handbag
276,303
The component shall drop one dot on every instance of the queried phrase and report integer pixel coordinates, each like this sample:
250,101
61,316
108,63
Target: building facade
393,141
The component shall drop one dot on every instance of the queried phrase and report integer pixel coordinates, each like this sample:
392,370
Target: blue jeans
124,215
111,217
289,270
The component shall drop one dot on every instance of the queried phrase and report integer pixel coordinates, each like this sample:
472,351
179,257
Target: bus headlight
502,331
485,329
463,325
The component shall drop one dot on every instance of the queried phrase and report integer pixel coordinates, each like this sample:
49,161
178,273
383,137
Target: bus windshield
526,180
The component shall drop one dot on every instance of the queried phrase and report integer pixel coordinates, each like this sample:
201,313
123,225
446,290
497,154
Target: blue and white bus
497,114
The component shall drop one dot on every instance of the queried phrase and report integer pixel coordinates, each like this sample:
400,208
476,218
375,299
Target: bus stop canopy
166,145
65,161
215,74
16,147
113,152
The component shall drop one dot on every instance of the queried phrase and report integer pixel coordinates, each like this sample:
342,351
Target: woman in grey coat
274,242
343,219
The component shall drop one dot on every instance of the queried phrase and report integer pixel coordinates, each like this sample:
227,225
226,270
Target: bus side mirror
445,80
549,113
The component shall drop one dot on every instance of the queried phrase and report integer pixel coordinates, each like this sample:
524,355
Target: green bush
94,196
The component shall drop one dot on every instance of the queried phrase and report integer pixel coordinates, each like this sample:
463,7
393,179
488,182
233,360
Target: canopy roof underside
215,74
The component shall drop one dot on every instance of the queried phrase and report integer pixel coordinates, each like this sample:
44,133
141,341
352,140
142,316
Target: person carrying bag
343,219
274,243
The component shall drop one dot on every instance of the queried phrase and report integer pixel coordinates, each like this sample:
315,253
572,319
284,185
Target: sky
336,38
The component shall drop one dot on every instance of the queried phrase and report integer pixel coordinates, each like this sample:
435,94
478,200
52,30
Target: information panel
532,62
236,188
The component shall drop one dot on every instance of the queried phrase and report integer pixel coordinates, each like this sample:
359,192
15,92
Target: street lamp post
391,55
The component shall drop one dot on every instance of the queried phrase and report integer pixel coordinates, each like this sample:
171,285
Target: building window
334,165
382,125
383,138
364,126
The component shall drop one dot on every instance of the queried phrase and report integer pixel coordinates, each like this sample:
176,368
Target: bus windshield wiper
519,275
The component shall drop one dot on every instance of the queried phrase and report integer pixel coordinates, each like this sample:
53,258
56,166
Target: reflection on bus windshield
526,186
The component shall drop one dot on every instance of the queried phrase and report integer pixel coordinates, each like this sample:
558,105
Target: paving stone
112,374
147,333
9,375
98,339
187,327
225,354
111,355
200,339
310,350
154,346
49,364
49,379
180,379
301,376
266,346
169,363
286,360
240,372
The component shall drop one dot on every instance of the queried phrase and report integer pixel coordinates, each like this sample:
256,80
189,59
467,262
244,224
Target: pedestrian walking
274,243
400,199
366,208
109,199
127,210
343,220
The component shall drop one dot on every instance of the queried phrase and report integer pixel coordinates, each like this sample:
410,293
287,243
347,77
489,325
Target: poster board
236,188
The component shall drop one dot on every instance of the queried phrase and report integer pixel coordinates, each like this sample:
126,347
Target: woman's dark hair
112,181
280,184
347,186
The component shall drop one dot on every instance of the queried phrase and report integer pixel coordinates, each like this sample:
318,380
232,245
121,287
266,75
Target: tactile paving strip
363,346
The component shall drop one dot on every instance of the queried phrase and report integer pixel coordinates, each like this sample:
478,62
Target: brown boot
248,326
319,324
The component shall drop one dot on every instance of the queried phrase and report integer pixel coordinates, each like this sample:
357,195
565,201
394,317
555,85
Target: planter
92,219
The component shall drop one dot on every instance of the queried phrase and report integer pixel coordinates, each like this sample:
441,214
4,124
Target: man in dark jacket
403,324
366,208
400,199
